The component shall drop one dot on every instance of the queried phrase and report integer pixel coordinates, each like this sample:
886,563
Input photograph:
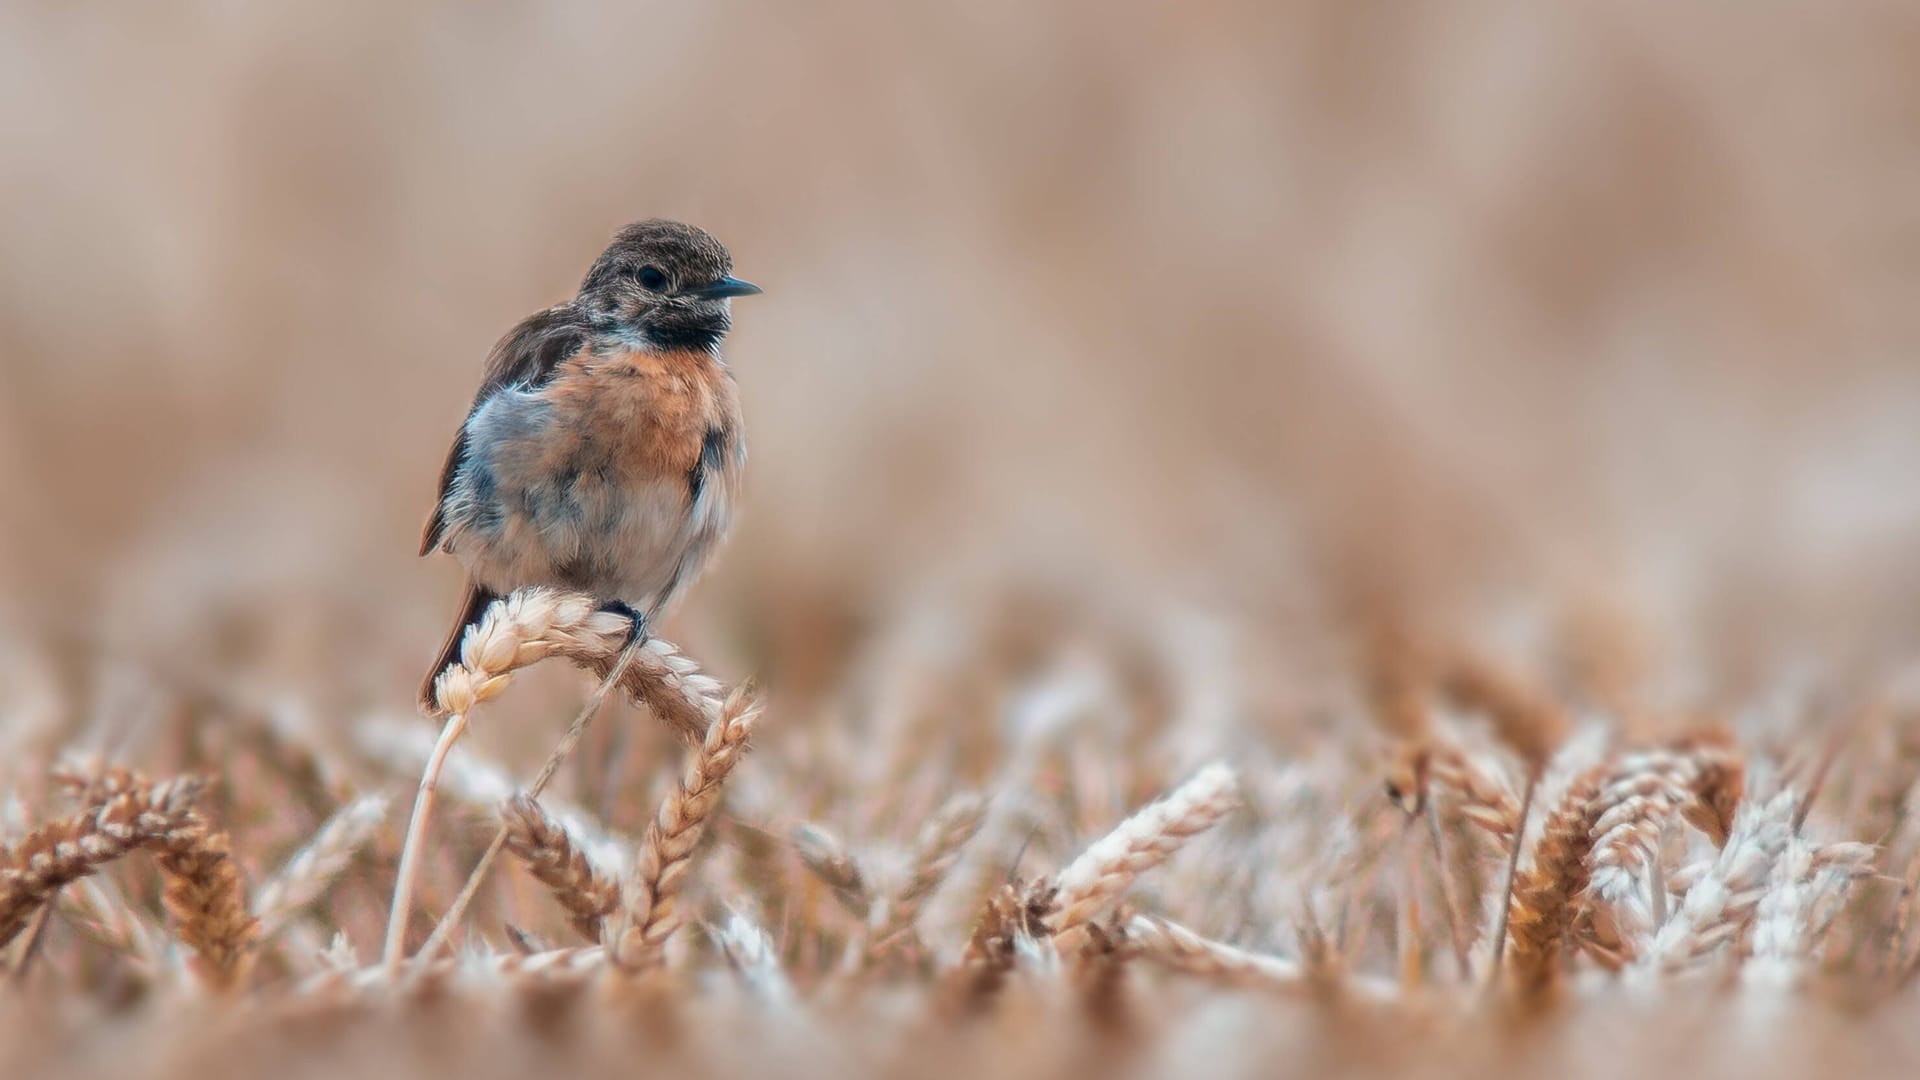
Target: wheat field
1290,539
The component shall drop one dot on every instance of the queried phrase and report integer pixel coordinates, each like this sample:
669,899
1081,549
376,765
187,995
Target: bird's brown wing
526,358
472,605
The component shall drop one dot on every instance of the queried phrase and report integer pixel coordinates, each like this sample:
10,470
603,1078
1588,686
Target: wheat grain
1469,790
1717,776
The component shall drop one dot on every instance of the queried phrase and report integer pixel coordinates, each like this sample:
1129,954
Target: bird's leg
636,622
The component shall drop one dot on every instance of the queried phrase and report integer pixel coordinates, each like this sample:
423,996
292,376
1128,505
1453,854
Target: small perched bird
603,451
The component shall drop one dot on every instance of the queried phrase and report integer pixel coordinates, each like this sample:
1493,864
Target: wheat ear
1523,717
559,863
1805,892
934,856
1540,902
650,897
826,858
207,900
49,857
750,952
1091,883
1626,895
308,873
533,624
1472,793
1009,926
1182,950
1722,903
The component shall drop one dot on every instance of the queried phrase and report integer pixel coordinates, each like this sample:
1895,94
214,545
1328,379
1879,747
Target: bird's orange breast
644,415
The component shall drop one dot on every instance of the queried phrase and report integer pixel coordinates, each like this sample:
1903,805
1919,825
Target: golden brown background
1514,312
1127,377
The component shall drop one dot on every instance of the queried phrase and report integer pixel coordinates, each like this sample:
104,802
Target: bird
603,452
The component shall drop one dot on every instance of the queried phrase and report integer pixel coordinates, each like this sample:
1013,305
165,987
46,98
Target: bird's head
663,285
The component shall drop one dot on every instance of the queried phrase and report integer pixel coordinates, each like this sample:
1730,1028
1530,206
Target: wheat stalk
650,896
1091,883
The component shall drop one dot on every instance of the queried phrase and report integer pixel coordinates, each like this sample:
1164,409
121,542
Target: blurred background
1286,318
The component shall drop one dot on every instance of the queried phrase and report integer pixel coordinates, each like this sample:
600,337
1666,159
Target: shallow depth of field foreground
1296,539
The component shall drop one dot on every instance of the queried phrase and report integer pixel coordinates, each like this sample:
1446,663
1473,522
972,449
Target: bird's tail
475,602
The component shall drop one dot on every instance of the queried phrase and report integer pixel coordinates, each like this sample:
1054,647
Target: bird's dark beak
726,286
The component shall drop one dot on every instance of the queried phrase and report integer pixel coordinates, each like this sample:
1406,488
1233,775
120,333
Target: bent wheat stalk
514,632
534,624
561,751
410,851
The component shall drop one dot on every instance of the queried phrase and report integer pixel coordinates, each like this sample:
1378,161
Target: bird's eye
652,279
